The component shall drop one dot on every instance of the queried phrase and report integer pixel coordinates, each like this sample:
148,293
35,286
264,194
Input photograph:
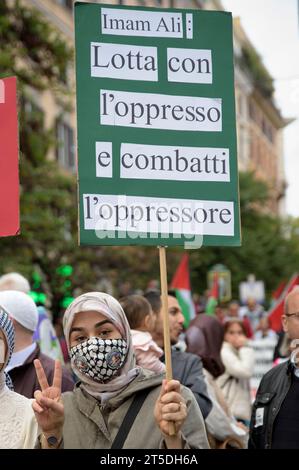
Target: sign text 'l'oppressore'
157,152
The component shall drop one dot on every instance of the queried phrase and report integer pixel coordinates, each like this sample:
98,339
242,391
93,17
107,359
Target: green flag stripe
185,306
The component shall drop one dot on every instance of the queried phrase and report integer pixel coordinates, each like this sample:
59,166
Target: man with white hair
23,312
275,415
14,281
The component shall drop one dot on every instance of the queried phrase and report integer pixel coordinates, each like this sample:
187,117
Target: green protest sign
157,157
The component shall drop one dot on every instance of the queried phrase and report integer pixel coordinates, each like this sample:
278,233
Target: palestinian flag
213,297
181,284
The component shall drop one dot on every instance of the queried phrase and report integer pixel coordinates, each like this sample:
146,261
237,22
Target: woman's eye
80,339
105,332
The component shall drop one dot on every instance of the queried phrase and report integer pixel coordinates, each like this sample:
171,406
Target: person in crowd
275,413
153,284
125,289
253,312
220,313
24,315
44,333
14,281
204,336
18,427
59,333
198,304
234,312
142,321
264,331
186,367
238,359
94,415
282,350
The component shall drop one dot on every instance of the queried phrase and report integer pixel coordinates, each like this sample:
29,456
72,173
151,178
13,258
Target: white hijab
108,306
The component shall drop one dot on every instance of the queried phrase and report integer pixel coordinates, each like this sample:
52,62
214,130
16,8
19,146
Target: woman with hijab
205,337
18,427
99,343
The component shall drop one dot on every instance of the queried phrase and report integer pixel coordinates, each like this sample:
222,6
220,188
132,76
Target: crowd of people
100,381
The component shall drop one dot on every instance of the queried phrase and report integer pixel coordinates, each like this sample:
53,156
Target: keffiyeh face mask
99,359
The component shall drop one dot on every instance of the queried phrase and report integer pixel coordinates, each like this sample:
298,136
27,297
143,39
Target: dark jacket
269,398
25,380
187,368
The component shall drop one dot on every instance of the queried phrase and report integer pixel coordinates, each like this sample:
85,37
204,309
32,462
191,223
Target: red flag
277,293
214,289
9,174
276,312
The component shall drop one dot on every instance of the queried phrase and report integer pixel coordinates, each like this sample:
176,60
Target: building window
267,130
65,152
34,114
252,112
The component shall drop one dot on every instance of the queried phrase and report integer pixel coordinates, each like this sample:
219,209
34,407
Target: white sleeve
219,424
241,365
30,431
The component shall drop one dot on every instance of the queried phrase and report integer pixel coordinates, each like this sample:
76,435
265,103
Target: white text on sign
141,23
154,111
123,61
158,162
161,162
157,215
189,65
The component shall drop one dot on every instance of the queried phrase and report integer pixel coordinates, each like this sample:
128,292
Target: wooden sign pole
164,295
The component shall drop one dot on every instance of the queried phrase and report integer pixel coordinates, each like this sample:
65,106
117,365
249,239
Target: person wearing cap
94,415
45,334
24,315
18,426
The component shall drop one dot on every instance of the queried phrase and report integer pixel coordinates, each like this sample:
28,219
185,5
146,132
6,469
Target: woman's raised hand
48,406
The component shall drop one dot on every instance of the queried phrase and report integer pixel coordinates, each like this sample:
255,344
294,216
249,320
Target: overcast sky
272,26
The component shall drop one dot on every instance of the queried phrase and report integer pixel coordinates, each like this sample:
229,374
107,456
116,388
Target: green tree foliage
254,64
31,48
34,52
270,248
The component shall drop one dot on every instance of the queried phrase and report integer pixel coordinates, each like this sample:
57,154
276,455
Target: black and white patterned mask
99,359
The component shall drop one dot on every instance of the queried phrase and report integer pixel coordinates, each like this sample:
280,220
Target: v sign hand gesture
48,406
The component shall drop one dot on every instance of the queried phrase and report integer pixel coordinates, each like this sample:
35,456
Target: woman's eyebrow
103,322
76,328
97,325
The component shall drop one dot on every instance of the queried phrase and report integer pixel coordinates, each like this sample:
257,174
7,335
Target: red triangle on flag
214,289
277,293
181,278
